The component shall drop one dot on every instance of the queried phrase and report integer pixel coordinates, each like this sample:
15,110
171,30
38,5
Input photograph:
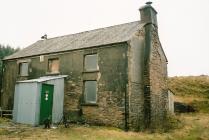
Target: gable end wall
158,82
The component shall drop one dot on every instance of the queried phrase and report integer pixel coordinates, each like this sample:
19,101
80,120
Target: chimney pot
148,3
148,14
44,37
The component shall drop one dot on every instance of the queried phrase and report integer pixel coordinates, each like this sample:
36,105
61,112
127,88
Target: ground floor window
90,91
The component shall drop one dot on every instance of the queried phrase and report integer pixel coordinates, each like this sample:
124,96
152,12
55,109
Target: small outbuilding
170,101
38,99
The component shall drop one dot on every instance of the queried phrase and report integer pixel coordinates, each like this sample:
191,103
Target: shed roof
42,79
97,37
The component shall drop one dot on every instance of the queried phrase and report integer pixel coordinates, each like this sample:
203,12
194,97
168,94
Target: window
90,91
53,65
91,63
23,69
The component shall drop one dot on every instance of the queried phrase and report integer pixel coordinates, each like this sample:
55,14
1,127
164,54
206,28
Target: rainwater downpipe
126,112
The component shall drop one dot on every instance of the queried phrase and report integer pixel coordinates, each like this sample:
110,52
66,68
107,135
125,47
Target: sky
183,25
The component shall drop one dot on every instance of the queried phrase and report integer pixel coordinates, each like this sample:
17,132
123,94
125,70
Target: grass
194,126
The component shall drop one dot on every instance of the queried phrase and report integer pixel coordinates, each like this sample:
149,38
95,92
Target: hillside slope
193,90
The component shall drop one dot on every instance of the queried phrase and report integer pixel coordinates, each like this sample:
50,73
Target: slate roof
98,37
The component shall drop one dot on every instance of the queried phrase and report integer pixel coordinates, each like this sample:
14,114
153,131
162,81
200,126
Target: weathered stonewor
158,83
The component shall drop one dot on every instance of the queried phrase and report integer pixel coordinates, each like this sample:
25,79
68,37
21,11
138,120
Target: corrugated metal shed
98,37
43,79
27,99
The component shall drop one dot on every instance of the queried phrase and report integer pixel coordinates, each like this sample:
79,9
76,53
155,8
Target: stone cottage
117,75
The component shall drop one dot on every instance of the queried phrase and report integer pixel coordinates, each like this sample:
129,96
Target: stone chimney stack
148,14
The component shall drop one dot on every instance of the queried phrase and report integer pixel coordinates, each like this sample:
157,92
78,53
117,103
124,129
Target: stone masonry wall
9,78
158,83
112,81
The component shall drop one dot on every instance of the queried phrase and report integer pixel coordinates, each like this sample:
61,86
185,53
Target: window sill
23,75
50,73
92,71
89,104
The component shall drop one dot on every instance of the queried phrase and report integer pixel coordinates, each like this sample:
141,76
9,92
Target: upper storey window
23,68
53,65
91,62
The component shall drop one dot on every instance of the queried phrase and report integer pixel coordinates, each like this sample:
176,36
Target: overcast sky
183,25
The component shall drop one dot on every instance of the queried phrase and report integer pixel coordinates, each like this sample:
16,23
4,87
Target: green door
46,102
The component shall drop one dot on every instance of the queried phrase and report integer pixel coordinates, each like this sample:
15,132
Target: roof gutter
66,51
126,111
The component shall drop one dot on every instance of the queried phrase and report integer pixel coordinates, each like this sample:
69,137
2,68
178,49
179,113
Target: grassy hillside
190,85
193,90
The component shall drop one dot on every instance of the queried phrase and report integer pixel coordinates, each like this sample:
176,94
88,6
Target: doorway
46,102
